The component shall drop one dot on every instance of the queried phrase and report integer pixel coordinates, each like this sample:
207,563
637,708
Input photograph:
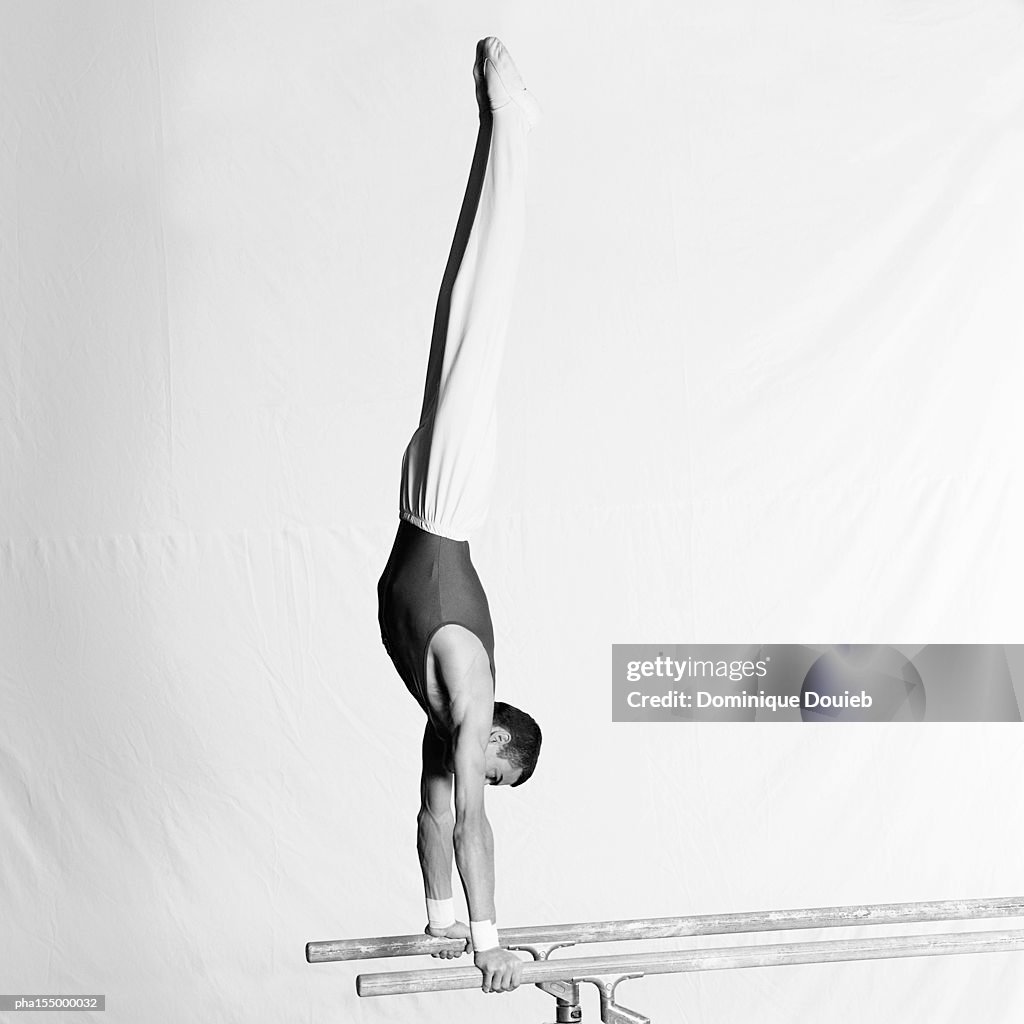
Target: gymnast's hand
457,930
502,969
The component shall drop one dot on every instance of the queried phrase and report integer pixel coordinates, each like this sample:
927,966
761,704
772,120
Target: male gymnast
433,613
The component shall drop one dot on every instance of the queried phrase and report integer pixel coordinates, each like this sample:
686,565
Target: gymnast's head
513,748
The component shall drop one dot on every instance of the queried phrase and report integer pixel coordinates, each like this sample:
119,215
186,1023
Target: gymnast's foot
498,82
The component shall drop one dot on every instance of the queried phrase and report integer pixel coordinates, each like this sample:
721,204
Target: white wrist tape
441,913
485,935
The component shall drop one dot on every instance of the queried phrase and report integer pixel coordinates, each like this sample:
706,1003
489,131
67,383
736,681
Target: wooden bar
719,959
677,927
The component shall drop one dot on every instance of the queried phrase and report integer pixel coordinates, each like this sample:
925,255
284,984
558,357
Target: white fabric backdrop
762,386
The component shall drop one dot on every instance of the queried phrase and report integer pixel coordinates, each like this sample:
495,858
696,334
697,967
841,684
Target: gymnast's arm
473,839
434,826
471,695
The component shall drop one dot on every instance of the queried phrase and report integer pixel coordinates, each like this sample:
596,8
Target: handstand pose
433,612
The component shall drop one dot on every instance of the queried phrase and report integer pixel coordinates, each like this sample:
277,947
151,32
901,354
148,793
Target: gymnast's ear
500,735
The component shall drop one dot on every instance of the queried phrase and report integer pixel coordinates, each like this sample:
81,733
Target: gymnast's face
499,771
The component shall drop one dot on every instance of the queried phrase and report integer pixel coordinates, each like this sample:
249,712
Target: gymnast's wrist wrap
485,935
440,913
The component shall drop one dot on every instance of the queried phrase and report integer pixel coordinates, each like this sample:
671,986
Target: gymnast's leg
448,466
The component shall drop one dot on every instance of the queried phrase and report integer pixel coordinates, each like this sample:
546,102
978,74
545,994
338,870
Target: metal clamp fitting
612,1012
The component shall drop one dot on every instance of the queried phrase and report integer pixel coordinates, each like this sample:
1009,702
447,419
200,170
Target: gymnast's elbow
472,835
435,821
